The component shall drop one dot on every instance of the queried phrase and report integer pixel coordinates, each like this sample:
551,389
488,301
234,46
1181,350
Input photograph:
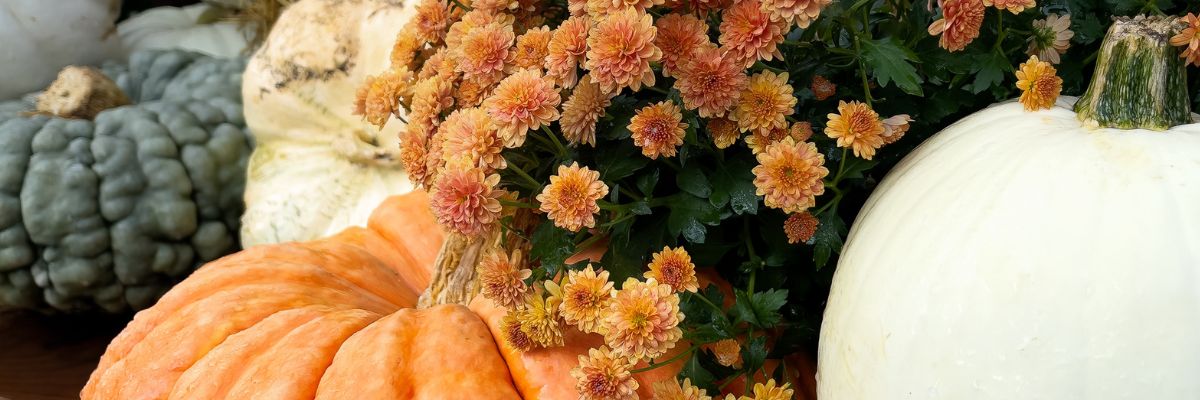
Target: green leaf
754,353
856,166
688,216
733,184
640,207
619,160
828,238
693,181
647,181
890,61
696,373
760,309
989,69
1087,29
551,245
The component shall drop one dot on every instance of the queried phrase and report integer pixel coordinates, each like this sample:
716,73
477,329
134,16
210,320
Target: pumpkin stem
1140,81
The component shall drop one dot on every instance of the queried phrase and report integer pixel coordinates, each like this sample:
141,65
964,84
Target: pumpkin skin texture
1021,255
316,168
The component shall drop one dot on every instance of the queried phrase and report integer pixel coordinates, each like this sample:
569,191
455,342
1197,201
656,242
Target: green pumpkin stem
1140,81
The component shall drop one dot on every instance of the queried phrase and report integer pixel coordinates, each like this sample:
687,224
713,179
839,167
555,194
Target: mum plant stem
667,361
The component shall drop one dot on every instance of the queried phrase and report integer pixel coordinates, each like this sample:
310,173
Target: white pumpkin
316,168
39,37
180,28
1029,255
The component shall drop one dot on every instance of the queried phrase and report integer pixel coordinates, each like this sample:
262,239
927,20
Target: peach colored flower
620,50
769,391
472,21
405,48
581,111
894,128
728,352
856,126
439,64
710,83
759,139
723,131
472,92
584,297
603,374
803,12
600,8
414,150
1013,6
493,6
570,198
430,97
1039,84
674,268
577,8
464,200
1051,37
434,164
679,35
959,24
642,320
765,103
470,133
523,101
749,34
532,48
568,49
540,320
671,389
502,280
1189,38
379,98
483,51
822,88
800,227
431,21
658,129
790,175
514,335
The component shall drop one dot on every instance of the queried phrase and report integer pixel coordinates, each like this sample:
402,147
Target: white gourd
316,168
40,37
166,28
1029,255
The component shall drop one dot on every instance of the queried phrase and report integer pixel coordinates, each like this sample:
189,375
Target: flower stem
862,72
518,204
562,151
1000,33
520,172
668,361
461,5
709,302
658,90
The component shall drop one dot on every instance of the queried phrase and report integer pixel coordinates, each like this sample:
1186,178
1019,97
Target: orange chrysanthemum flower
414,150
570,198
800,227
568,49
959,24
472,92
584,297
789,175
728,352
540,320
581,111
431,96
431,21
723,131
483,51
470,133
434,164
658,129
620,50
765,103
600,8
750,34
642,320
493,6
679,35
1039,84
710,83
1189,39
532,48
760,139
857,127
768,391
1013,6
894,128
502,280
672,389
514,335
405,48
464,200
674,268
603,374
1051,37
472,21
577,8
822,88
439,64
803,12
523,101
380,97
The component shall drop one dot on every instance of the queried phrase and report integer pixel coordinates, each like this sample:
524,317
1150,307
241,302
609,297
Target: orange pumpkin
333,319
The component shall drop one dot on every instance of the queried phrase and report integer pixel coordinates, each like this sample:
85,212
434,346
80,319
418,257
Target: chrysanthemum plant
589,155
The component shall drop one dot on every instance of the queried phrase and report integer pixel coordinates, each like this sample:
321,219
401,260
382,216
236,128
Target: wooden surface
50,357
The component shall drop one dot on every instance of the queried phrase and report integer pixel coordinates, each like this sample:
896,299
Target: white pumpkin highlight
180,28
1020,255
317,168
41,37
